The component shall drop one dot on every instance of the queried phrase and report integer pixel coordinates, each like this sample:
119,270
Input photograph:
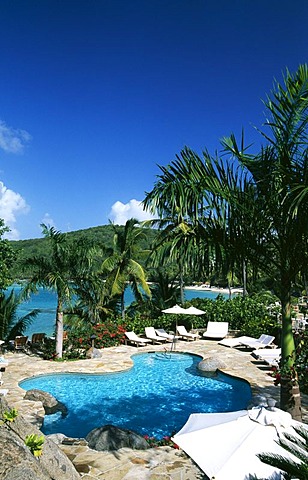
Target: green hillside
101,235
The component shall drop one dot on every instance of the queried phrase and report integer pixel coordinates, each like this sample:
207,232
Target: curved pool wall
155,397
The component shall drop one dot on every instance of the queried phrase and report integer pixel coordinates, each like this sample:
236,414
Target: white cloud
121,212
13,140
11,204
47,220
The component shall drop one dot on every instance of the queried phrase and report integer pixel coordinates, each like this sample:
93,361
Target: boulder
110,437
93,353
211,364
50,403
16,460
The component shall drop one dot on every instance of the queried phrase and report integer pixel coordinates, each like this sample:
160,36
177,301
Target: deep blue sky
95,93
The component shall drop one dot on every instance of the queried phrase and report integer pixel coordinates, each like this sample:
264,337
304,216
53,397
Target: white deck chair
133,338
181,330
263,342
162,333
216,330
238,341
269,356
151,335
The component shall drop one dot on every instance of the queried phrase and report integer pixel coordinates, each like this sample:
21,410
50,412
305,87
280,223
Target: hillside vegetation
101,236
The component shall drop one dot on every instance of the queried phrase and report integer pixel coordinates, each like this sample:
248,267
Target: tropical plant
7,258
9,416
11,324
35,443
54,272
122,267
244,207
296,444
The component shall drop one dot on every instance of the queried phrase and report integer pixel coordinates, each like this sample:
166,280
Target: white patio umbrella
193,311
225,445
176,309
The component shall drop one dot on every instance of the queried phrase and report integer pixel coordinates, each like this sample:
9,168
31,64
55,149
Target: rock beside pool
211,364
16,460
93,353
109,437
50,403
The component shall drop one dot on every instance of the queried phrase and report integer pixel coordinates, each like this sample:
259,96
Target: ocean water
46,302
145,398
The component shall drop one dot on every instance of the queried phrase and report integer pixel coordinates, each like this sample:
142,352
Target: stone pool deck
153,464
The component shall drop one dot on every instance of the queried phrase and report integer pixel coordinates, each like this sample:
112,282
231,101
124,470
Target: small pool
154,398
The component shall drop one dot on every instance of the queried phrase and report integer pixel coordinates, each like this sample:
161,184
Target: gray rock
16,460
50,403
211,364
110,437
93,353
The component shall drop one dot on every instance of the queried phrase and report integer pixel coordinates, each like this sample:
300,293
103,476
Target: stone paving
153,464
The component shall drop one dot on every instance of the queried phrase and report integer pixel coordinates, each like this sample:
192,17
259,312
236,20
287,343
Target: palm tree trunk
244,278
59,330
290,400
181,285
123,307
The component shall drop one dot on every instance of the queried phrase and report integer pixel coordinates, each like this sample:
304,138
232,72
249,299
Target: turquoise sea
46,302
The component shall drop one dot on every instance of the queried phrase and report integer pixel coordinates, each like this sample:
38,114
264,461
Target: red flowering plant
108,334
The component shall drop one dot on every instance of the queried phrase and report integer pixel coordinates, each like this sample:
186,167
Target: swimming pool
154,398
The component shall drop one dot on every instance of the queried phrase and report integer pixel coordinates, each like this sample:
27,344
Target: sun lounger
133,338
20,343
269,356
236,341
162,333
263,342
181,330
216,330
151,335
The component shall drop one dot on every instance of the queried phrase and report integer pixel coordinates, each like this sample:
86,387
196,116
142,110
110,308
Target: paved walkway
153,464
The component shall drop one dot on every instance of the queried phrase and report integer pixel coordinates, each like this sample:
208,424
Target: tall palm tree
281,164
54,272
122,267
256,198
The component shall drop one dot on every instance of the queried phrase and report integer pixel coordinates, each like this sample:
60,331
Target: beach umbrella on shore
225,445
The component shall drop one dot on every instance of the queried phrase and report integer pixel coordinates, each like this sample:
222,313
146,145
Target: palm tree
296,444
281,164
54,272
10,324
122,267
251,202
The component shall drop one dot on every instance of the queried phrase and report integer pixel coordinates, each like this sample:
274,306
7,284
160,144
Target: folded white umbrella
225,445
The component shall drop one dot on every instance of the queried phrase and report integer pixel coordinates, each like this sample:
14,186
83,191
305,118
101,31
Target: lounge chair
238,341
133,338
37,338
267,355
162,333
20,343
151,335
265,341
216,330
181,330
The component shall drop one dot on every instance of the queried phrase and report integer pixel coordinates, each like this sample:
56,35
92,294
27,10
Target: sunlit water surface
153,398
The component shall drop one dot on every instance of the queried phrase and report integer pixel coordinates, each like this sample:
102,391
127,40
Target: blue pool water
153,398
